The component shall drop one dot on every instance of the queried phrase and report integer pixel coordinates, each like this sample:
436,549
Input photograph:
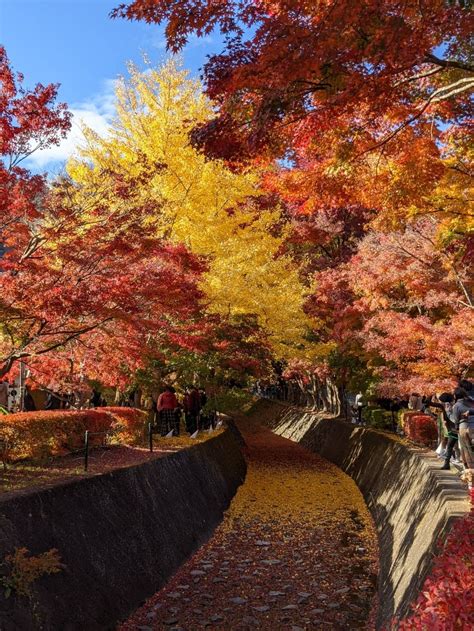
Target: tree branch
438,95
448,63
422,75
7,363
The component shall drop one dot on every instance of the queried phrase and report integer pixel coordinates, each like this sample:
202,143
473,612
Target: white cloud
96,113
201,42
157,39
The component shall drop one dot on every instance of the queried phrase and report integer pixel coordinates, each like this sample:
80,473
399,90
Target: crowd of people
455,411
277,389
168,411
454,415
14,398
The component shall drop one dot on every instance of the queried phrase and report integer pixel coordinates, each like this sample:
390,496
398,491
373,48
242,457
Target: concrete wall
120,535
412,501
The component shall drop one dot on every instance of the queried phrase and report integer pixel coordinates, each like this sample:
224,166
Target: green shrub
379,419
230,401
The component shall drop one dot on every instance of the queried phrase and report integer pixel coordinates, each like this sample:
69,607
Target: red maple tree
359,111
95,276
329,74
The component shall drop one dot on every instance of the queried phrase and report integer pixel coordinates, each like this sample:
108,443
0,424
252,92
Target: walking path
296,550
24,476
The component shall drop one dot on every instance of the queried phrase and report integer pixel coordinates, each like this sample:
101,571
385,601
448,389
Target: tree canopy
310,203
358,117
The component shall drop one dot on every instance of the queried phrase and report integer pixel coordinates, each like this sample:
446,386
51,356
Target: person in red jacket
166,407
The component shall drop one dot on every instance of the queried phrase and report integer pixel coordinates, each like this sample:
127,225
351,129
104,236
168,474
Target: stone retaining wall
411,500
120,535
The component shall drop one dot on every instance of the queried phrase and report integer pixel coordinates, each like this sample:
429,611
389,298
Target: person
4,387
415,402
203,397
97,400
67,400
463,418
53,402
359,404
396,405
28,402
192,407
205,419
445,404
431,405
130,400
166,407
468,386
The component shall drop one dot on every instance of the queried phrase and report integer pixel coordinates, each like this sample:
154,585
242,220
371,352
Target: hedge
129,422
46,433
378,418
421,428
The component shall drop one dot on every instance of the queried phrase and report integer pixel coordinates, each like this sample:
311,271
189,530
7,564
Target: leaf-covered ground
29,475
296,550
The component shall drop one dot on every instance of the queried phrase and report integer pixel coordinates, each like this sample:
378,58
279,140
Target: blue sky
76,44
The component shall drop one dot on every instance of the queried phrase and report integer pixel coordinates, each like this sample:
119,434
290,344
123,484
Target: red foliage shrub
421,428
36,435
447,598
130,422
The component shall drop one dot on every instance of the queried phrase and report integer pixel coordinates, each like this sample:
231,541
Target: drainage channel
296,550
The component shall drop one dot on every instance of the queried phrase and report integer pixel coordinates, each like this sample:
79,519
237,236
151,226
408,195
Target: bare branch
453,88
422,75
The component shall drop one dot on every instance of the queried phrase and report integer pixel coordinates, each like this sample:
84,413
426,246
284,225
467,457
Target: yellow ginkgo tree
212,210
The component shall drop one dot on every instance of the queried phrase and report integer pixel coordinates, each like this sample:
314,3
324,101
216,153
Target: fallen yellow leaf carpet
296,550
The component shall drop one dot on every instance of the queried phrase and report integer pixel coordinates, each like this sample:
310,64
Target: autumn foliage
421,429
25,568
222,216
36,435
358,116
446,600
78,279
329,212
308,203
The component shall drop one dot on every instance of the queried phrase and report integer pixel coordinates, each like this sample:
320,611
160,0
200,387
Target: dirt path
296,550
